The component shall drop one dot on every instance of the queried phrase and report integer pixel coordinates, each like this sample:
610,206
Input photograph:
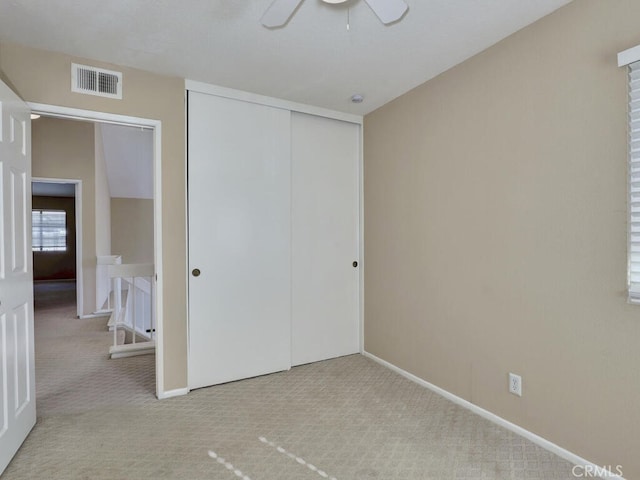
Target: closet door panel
325,224
239,174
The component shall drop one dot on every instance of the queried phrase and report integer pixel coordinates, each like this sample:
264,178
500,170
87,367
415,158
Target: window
631,58
49,230
634,183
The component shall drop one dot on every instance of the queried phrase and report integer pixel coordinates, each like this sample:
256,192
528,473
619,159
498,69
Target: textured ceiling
314,59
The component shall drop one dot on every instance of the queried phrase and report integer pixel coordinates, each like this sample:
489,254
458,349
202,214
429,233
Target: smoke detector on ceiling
96,81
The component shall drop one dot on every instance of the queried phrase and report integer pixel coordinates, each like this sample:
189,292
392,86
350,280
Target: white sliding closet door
239,239
325,224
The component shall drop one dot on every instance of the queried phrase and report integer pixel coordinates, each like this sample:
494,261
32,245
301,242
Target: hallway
73,370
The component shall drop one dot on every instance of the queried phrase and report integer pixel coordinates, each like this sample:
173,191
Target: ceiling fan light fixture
280,11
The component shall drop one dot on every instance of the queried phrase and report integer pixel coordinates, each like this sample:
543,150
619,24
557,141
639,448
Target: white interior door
239,239
325,224
17,377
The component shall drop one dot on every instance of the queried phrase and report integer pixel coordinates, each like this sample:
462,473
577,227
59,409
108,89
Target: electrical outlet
515,384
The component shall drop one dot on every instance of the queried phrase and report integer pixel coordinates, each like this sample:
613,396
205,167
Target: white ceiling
128,155
312,60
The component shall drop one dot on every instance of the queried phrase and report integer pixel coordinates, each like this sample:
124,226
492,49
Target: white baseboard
94,315
132,349
492,417
173,393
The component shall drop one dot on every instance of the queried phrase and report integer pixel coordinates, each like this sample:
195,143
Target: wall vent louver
96,81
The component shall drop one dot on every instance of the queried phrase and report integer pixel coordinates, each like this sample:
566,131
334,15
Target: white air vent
96,81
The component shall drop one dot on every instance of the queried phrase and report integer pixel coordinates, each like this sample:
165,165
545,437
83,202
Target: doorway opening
118,219
57,241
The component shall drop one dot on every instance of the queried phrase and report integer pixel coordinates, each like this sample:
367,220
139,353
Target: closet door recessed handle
355,264
195,272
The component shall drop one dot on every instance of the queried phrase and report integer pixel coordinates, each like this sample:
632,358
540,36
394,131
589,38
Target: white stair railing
136,314
104,284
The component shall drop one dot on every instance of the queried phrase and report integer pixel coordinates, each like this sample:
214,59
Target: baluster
151,309
118,308
133,303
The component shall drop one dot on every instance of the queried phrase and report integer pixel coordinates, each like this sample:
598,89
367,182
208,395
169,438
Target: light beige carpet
344,419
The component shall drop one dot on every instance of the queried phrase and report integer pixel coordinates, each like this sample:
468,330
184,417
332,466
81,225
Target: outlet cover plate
515,384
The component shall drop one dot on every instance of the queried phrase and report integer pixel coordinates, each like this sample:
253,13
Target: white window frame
43,249
631,60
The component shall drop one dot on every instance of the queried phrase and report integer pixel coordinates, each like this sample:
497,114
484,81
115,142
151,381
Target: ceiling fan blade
388,11
279,12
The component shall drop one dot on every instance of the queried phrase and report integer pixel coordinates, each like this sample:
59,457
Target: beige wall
495,232
103,198
102,209
65,149
44,77
132,229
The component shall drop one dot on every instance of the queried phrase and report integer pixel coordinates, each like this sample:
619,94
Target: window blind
49,230
634,184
